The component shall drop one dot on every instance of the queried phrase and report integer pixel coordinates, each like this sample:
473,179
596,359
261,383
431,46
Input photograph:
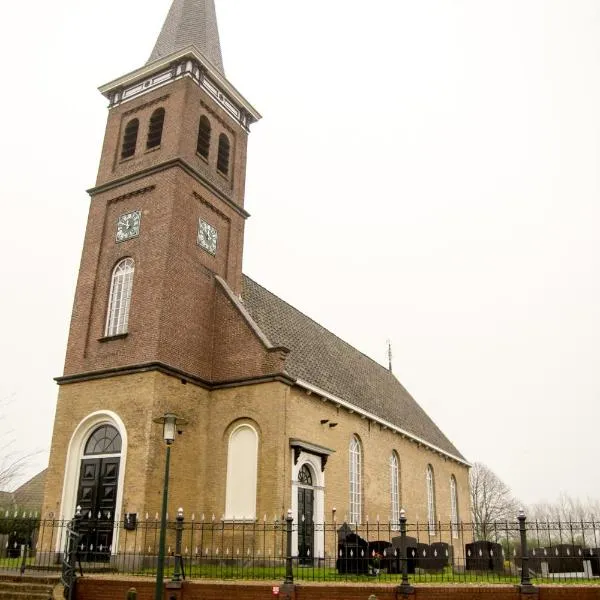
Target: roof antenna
389,355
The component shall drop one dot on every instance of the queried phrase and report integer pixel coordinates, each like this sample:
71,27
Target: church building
280,413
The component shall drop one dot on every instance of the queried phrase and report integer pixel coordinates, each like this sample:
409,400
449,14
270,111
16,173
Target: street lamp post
169,421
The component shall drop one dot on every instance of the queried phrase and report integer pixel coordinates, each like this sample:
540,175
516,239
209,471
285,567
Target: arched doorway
97,491
305,517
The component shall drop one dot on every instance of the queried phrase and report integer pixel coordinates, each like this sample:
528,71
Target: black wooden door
305,526
97,497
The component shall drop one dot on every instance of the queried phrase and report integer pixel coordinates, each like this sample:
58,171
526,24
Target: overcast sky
425,171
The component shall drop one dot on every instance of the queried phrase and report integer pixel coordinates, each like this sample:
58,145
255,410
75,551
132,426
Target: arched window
130,138
104,440
355,481
305,476
203,145
120,298
223,154
453,507
242,456
431,518
394,490
155,129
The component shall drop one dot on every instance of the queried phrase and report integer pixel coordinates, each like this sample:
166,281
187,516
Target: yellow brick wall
199,456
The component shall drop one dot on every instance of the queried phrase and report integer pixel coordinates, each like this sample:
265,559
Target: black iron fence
522,551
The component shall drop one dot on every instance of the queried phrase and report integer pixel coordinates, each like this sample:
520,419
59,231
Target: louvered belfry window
130,138
203,146
155,129
119,301
223,155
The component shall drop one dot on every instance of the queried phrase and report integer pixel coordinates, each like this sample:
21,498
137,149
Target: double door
97,497
306,527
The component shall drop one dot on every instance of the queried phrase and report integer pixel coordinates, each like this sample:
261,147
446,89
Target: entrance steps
27,588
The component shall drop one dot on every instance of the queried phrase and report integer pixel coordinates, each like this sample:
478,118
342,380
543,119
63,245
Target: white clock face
207,237
128,225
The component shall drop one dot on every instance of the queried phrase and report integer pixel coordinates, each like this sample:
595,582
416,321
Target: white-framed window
453,507
431,518
394,491
242,461
119,301
355,480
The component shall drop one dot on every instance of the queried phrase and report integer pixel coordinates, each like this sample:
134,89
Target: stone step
12,595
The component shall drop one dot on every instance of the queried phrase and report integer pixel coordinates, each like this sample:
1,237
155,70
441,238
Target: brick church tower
160,276
281,413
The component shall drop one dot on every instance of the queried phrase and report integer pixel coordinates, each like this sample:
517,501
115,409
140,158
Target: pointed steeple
190,23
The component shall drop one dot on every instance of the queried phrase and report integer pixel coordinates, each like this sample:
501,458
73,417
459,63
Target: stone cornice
175,162
188,62
173,372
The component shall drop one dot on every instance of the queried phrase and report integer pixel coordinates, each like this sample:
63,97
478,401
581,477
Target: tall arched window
355,480
130,138
223,154
155,129
453,507
431,518
242,457
394,490
203,145
120,298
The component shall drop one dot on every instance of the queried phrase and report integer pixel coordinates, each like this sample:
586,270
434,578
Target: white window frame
119,299
431,519
394,490
355,480
453,507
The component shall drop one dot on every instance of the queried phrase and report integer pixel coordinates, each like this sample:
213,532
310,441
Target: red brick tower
170,198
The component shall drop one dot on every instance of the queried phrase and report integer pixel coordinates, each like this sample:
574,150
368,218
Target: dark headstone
381,555
353,552
411,547
440,556
565,558
484,556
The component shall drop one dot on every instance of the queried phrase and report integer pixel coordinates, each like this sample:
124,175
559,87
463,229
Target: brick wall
100,589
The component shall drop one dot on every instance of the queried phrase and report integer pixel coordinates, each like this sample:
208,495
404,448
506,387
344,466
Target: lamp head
171,425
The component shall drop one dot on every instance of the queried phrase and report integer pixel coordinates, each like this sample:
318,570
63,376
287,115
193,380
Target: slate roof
31,494
28,496
323,360
190,23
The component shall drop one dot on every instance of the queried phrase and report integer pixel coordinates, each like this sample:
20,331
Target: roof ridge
382,367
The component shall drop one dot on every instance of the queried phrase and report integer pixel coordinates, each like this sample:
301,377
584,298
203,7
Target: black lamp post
169,421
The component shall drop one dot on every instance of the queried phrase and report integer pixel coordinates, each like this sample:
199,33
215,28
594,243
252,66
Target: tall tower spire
190,23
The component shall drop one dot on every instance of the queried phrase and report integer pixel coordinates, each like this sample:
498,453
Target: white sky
425,171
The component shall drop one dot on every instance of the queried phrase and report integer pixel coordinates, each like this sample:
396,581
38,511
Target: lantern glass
169,428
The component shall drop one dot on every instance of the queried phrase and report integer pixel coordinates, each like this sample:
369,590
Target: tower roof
190,23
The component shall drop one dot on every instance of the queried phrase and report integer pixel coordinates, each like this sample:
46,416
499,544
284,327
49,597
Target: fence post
289,572
404,588
178,569
69,574
526,586
132,594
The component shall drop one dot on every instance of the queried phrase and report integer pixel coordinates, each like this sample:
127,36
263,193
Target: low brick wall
89,588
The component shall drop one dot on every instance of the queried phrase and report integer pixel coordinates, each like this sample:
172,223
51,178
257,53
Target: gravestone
565,558
353,552
484,556
397,548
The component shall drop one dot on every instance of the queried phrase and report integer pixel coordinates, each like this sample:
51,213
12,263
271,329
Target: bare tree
491,500
13,463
